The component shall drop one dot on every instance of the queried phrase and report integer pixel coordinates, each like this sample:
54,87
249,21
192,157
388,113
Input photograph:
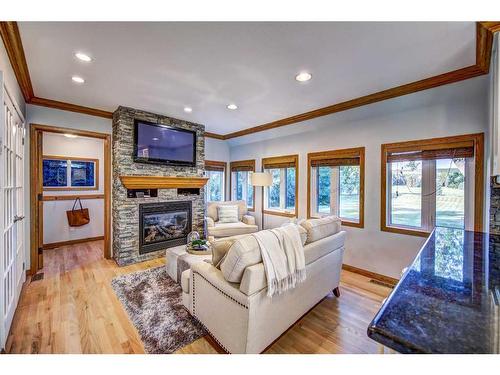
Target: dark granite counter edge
396,343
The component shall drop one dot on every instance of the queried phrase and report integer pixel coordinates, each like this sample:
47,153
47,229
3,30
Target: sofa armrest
248,219
214,277
210,222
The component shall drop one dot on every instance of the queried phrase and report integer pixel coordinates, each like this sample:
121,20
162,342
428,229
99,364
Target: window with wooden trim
70,173
240,185
433,182
216,184
336,185
281,197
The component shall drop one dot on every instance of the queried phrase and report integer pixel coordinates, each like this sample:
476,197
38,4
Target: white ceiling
162,67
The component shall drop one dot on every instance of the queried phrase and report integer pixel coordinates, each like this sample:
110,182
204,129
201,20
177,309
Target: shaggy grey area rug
153,302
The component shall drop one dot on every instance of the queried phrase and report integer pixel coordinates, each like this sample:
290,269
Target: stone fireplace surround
125,211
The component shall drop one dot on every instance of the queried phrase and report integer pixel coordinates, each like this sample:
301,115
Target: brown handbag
77,218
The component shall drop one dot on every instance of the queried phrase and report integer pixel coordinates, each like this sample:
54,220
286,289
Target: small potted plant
196,245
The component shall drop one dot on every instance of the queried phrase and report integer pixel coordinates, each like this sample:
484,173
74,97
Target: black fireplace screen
163,225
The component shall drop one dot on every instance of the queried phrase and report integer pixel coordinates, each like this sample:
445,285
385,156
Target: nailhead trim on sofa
220,291
199,321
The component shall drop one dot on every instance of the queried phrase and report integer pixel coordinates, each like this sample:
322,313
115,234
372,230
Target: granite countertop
448,300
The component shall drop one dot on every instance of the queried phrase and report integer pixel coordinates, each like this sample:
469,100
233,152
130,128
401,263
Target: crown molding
70,107
484,40
214,135
14,47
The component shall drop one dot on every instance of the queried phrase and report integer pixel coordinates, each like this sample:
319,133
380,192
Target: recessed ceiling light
67,135
232,106
83,57
155,139
77,79
303,77
188,109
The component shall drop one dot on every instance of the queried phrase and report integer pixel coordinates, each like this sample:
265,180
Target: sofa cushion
231,229
254,277
220,249
302,231
321,228
212,208
243,253
227,214
315,250
303,234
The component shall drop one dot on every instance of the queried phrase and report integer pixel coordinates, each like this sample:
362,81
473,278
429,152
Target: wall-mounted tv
163,144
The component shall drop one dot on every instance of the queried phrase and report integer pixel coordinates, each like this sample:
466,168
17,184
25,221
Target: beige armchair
246,224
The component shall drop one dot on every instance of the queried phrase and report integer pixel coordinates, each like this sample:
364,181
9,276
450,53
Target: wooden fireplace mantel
160,182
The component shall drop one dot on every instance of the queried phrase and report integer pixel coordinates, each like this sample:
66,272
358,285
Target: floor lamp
261,179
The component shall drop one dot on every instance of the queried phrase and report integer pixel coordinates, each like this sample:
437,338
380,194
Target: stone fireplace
144,225
162,225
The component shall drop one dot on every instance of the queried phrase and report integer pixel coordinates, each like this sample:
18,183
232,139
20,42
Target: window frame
355,152
276,160
69,187
214,165
241,165
468,140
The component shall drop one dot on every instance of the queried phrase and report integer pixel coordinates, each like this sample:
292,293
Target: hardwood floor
73,309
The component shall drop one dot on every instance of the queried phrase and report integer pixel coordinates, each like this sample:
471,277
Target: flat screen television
163,144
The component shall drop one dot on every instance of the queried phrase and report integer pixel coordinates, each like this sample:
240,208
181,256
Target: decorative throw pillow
219,251
321,228
243,253
228,214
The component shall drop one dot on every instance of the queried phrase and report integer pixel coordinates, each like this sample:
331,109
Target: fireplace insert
164,225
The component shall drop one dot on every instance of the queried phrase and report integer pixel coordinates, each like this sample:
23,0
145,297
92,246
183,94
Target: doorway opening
70,172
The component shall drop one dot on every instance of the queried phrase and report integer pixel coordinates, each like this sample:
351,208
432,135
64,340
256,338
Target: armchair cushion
212,208
248,219
231,229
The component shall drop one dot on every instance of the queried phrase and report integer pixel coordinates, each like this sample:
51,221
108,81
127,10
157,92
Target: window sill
280,213
344,222
409,232
354,224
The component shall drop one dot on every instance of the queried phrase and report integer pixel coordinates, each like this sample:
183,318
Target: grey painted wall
455,109
448,110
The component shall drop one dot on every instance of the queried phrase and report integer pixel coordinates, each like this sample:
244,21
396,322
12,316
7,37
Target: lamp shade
261,179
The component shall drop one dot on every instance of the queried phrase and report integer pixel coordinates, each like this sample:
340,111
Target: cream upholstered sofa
238,314
245,225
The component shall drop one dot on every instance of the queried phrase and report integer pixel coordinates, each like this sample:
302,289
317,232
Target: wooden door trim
36,178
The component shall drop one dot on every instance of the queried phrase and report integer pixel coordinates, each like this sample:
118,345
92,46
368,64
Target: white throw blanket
283,257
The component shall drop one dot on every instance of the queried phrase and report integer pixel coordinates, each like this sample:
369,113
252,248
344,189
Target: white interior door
12,251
